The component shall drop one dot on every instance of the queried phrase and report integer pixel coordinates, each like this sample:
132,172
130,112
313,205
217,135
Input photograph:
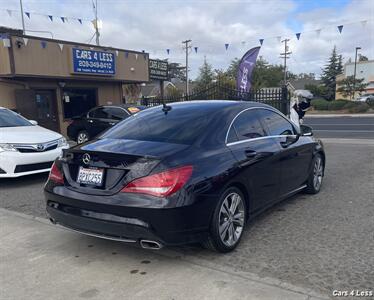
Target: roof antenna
165,108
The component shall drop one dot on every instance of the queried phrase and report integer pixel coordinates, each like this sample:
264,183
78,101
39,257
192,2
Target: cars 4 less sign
93,62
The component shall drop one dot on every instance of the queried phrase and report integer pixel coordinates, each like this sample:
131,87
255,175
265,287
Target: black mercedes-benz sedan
98,119
184,173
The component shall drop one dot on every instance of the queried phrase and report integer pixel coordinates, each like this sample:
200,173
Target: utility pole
186,42
23,20
97,25
285,56
354,74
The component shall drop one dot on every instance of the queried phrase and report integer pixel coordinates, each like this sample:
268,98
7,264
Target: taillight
161,184
56,175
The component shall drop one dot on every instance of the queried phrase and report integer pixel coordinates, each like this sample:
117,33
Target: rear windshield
9,118
179,126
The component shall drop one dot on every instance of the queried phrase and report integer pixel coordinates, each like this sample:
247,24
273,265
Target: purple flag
246,66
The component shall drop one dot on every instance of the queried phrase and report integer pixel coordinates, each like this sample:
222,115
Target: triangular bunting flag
116,52
51,18
243,43
80,21
340,28
126,54
226,46
61,46
318,32
136,56
195,49
298,35
168,51
9,12
363,23
279,38
63,19
27,14
44,44
25,41
261,41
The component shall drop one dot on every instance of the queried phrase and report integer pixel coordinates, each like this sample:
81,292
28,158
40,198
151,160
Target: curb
170,253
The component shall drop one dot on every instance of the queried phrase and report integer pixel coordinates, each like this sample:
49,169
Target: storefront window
78,101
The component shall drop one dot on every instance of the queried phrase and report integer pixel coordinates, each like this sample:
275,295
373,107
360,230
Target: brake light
161,184
56,175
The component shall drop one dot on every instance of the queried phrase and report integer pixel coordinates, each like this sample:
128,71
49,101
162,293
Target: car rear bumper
166,226
16,164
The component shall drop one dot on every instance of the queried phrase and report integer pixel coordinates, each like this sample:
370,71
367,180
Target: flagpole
23,20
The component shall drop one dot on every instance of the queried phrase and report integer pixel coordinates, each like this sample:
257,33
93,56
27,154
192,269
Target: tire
231,233
315,178
82,137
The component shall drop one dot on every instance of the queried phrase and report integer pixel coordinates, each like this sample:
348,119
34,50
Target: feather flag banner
246,66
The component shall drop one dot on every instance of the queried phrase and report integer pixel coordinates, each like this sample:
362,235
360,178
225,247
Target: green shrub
350,104
320,104
359,108
337,104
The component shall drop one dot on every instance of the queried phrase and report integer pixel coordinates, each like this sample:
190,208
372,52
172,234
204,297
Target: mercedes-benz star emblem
86,158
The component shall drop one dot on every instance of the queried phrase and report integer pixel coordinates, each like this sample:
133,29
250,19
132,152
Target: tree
362,58
316,90
177,72
349,86
206,75
333,68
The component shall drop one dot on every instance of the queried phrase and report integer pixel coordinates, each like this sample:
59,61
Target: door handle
250,153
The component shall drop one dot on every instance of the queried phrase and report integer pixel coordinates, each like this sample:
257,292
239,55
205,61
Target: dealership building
51,81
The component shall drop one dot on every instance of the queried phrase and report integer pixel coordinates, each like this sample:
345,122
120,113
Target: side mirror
288,140
33,122
306,130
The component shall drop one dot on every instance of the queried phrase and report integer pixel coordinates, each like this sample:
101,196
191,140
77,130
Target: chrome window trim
259,138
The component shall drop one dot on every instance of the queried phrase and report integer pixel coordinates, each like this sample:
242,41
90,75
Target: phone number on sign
95,64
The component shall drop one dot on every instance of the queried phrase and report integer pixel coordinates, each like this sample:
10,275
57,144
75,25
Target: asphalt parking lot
321,242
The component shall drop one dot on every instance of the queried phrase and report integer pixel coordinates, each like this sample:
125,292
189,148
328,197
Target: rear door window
275,123
116,113
246,126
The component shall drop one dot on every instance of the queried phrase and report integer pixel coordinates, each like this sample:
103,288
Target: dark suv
98,119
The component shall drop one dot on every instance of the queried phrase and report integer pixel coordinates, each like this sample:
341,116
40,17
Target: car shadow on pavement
23,181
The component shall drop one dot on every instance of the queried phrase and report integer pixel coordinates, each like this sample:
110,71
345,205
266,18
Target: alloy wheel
231,219
82,137
317,173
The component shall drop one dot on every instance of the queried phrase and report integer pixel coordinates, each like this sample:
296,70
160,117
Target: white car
25,147
365,98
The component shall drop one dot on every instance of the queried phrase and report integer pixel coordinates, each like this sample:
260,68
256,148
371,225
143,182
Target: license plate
90,176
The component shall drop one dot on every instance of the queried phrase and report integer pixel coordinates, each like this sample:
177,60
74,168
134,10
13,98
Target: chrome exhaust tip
151,245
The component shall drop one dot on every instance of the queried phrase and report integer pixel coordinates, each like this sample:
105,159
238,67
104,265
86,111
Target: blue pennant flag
44,44
27,14
126,54
261,41
298,35
226,46
340,28
63,19
195,49
168,51
51,18
80,21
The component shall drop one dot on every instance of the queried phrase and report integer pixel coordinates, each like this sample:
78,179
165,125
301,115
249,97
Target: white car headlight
62,142
7,147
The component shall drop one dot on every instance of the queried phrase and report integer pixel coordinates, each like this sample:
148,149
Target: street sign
158,69
93,62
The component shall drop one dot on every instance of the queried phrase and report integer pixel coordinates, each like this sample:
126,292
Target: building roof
299,84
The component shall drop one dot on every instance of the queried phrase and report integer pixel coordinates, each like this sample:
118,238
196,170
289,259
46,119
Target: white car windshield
9,118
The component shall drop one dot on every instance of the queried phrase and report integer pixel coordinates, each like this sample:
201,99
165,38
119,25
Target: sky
157,25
